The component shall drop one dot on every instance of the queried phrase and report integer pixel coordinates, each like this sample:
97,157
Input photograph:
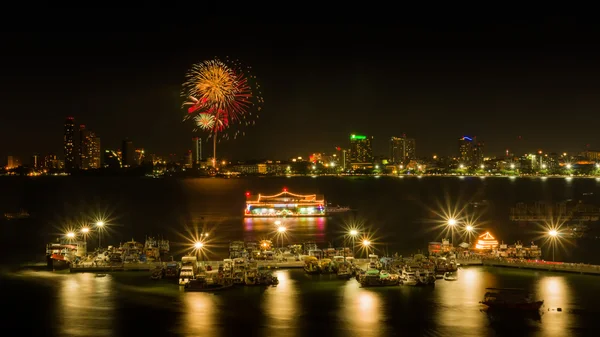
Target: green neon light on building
359,137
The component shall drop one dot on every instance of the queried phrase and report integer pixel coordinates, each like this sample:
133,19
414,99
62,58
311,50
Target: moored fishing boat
311,265
376,278
451,276
204,284
510,299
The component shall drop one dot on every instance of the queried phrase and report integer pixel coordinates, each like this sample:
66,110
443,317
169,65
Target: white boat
189,269
450,276
408,277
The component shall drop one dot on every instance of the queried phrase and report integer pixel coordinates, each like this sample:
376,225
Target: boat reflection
86,304
199,311
281,306
362,310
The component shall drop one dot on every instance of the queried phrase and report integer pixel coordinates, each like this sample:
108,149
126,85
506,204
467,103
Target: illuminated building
486,242
197,150
465,149
402,149
139,156
89,149
284,204
12,162
361,150
470,151
69,143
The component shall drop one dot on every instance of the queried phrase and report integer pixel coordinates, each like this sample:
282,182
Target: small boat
450,276
376,278
22,214
100,275
311,265
157,273
511,299
337,209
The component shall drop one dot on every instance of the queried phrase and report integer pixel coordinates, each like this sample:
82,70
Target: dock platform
561,267
104,268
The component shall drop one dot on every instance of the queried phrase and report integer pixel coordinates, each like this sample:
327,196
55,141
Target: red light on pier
285,189
247,194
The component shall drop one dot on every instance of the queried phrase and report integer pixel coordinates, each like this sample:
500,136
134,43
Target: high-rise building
477,155
89,149
402,149
96,153
69,143
470,151
197,141
360,149
465,150
12,162
128,153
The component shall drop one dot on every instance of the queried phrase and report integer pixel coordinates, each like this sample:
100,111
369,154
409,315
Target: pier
96,268
562,267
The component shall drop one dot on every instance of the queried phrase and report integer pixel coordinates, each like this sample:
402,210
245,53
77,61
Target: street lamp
198,248
281,231
469,228
277,223
100,224
452,222
366,244
353,234
553,234
71,235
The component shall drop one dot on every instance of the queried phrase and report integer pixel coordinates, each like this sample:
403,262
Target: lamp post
452,222
366,243
353,234
198,248
553,234
100,226
281,232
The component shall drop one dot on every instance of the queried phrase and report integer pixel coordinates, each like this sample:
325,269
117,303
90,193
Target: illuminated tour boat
486,242
284,204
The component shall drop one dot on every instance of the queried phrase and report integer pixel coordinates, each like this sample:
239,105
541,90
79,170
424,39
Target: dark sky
434,82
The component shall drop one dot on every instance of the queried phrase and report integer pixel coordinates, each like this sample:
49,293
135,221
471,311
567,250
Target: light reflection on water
281,306
457,302
362,311
297,229
86,305
199,314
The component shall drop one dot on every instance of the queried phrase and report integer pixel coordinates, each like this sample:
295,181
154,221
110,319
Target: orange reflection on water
458,301
362,310
86,305
554,291
281,305
199,314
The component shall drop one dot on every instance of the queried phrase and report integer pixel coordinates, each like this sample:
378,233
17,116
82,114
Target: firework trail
222,98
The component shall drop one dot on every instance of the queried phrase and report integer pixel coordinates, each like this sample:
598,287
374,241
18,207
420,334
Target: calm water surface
401,214
128,303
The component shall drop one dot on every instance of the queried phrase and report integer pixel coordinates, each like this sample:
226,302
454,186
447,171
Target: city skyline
320,85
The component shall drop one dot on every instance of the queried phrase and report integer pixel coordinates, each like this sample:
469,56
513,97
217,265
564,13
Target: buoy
558,309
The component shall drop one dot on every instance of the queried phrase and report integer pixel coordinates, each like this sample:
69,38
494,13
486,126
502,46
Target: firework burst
226,91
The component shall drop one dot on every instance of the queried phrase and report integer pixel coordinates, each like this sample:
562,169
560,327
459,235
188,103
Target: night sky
496,81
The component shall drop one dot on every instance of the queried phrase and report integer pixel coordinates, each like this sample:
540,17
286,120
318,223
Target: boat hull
525,306
207,289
